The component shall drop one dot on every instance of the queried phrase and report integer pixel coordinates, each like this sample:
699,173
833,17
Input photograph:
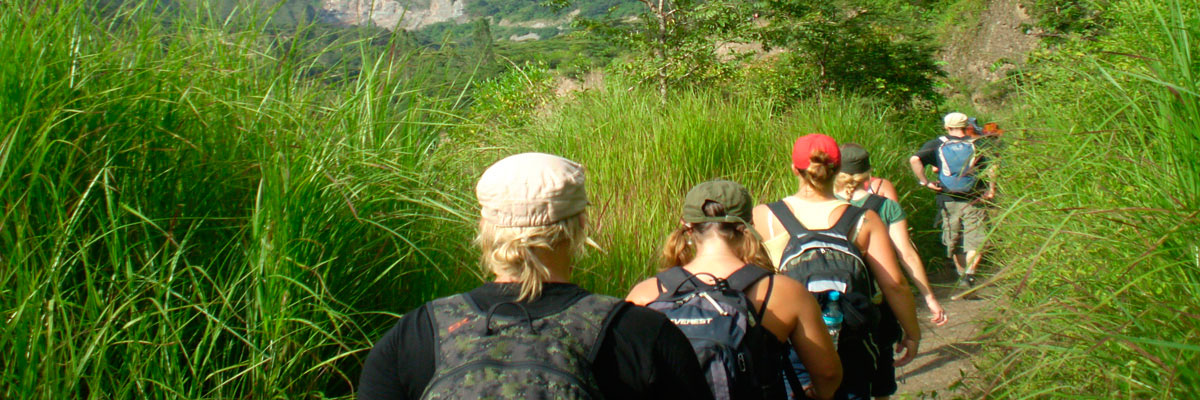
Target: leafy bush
512,99
854,47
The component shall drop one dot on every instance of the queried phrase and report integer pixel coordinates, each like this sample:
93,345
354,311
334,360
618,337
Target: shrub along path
946,351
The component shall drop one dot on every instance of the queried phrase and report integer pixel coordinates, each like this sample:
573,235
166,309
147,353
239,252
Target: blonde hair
820,172
846,184
680,248
510,251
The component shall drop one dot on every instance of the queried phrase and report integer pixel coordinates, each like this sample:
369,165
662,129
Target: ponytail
510,251
846,184
820,172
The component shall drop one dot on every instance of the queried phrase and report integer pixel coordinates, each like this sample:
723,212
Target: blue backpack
956,164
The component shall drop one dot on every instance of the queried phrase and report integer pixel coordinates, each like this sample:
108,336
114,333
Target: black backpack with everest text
741,359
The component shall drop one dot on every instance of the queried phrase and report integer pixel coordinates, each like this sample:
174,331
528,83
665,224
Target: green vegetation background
205,206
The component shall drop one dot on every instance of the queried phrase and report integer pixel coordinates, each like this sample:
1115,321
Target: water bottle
832,314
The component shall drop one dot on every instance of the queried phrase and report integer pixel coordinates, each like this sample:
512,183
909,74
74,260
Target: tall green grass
1099,239
642,154
193,207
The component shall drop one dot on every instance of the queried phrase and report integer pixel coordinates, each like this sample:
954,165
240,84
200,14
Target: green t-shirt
890,211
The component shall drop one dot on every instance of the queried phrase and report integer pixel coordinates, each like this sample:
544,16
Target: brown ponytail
821,171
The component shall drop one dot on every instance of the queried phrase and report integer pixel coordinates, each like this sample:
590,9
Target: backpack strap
874,203
846,222
789,373
673,279
871,185
746,276
604,327
787,219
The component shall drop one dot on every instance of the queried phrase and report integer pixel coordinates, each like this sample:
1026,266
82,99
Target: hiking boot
963,282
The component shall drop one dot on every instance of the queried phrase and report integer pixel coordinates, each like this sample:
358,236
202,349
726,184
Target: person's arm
911,261
990,178
918,169
793,308
881,258
410,341
644,292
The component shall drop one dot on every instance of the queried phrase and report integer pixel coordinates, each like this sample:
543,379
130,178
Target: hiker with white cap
959,161
530,333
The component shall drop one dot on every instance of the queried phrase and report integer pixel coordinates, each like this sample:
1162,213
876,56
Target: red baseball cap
807,144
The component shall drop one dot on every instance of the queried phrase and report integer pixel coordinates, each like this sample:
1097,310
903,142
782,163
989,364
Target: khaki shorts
963,227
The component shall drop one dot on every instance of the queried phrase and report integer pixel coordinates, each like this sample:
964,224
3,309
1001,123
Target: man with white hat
958,165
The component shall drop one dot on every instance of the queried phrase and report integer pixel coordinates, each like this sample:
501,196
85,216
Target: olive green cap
739,206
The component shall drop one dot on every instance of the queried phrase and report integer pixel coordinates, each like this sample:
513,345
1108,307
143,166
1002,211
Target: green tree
854,45
675,39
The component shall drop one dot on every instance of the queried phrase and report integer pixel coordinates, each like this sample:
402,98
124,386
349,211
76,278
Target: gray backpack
484,355
827,260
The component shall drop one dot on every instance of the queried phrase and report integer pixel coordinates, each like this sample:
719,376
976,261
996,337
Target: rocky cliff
394,14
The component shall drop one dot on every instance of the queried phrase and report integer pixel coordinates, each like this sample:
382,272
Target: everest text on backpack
725,330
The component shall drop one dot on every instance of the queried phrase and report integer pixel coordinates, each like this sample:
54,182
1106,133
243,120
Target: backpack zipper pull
714,304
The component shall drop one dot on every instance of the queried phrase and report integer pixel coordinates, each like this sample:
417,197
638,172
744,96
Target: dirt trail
946,351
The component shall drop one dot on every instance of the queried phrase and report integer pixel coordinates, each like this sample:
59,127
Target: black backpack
517,358
735,351
827,260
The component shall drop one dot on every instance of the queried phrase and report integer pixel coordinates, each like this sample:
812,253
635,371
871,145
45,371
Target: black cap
855,159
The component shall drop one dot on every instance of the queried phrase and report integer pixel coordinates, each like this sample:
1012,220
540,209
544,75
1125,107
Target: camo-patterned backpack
484,355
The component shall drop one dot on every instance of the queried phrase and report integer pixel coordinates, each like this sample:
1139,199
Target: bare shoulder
644,292
790,289
888,190
762,217
786,293
761,211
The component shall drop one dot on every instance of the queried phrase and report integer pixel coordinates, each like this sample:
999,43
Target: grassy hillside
665,148
1098,238
201,210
